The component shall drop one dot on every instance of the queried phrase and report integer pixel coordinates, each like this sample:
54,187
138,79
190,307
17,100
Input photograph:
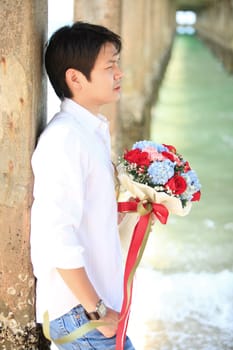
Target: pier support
215,27
22,111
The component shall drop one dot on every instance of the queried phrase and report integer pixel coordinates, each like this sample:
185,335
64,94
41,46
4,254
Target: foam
182,310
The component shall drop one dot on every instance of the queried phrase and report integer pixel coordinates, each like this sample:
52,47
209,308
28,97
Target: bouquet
161,181
158,173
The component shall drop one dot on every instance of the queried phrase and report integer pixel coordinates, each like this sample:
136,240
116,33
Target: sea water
182,311
183,292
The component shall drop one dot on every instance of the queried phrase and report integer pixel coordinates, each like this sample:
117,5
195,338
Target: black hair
77,47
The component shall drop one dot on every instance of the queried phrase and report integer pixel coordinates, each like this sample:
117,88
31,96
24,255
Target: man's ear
73,79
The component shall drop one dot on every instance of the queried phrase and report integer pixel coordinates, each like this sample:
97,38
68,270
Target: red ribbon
134,255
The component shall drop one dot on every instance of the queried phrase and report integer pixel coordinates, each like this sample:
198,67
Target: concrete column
108,14
22,113
147,30
104,12
215,27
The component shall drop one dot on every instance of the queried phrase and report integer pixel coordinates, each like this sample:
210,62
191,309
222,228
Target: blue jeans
93,340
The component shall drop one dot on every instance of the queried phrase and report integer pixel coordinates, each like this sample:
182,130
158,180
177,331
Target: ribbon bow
135,252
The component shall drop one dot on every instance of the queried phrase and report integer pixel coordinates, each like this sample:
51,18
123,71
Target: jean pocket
67,323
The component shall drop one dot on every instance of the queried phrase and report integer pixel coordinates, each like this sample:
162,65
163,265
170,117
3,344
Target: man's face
104,86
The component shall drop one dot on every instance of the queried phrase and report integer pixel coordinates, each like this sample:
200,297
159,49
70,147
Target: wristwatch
100,311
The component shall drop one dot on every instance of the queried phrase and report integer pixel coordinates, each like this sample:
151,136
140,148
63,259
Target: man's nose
118,74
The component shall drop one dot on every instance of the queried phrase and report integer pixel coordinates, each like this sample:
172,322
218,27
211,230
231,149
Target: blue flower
161,172
193,184
192,179
144,144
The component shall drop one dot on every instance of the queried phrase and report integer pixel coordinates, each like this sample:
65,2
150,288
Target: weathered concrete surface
22,108
215,27
104,12
147,28
147,31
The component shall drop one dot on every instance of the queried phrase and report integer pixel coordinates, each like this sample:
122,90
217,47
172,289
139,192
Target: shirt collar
83,116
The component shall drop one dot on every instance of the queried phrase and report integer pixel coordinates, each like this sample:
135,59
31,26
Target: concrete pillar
215,27
108,14
104,12
147,30
22,113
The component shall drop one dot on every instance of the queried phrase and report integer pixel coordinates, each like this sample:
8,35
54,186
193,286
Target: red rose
169,156
170,148
196,196
143,159
130,155
177,184
138,157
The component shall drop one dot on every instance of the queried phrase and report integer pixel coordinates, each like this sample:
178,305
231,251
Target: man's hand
112,317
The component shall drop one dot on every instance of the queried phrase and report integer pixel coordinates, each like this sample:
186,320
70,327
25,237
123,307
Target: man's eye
114,64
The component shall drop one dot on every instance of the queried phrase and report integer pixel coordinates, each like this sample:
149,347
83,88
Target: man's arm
79,283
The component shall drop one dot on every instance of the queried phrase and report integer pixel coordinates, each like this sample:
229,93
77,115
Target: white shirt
74,213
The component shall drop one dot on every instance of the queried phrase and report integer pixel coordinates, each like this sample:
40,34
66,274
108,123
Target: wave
182,310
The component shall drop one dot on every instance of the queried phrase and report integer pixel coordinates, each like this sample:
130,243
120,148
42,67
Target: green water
183,297
195,113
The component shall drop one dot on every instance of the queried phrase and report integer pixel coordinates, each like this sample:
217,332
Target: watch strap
99,312
92,315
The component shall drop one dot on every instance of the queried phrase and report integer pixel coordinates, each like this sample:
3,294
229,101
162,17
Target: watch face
102,310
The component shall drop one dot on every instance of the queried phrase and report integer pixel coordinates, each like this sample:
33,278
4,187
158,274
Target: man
75,245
